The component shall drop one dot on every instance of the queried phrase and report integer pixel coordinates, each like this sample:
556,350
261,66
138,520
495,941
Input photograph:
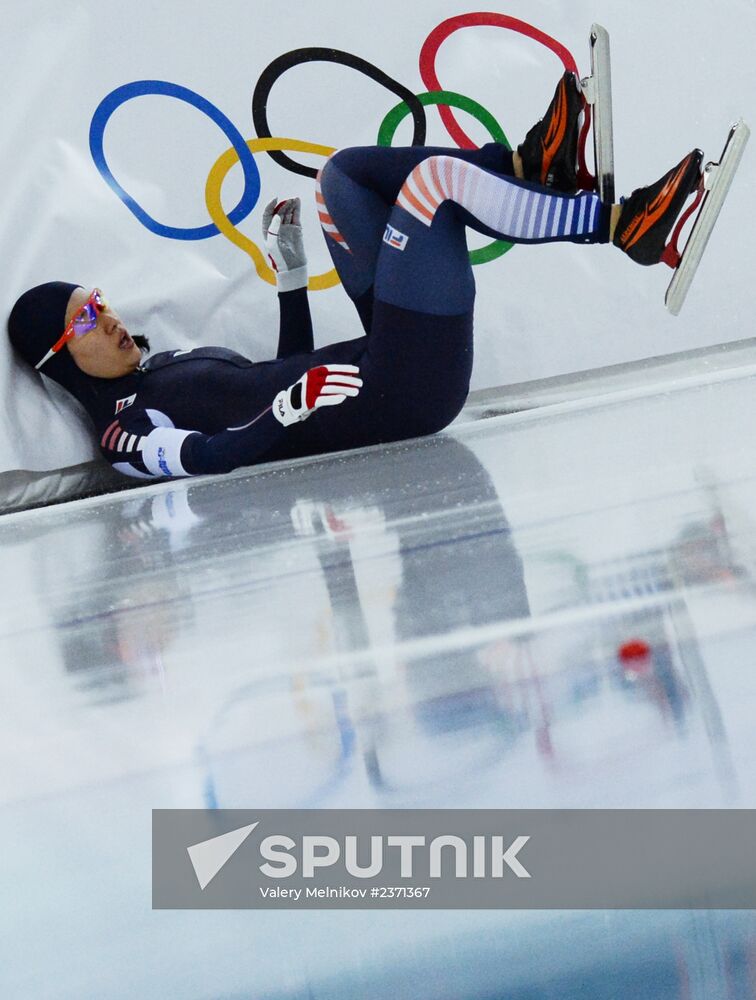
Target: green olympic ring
391,122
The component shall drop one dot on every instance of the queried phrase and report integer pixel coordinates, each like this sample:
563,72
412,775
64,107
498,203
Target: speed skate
712,192
597,91
716,177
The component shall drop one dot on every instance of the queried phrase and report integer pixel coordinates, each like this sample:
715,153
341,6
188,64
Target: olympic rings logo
242,150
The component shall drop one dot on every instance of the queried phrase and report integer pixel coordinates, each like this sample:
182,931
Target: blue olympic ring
139,88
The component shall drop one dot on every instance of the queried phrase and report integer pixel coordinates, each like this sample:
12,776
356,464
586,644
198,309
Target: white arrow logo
209,856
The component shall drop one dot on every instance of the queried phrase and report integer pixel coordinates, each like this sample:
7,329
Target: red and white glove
326,385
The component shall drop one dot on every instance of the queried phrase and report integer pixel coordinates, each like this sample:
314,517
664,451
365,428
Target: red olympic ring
439,35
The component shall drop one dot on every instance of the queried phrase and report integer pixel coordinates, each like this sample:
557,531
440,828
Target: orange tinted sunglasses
84,320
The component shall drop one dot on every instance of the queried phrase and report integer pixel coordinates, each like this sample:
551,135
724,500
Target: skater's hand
282,235
326,385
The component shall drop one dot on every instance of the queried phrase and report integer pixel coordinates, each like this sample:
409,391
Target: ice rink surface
552,608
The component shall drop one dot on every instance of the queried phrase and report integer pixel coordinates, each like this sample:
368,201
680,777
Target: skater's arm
295,331
232,448
325,385
282,235
136,447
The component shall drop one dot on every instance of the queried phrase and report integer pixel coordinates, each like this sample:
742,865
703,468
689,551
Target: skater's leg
417,361
507,208
423,314
356,193
420,350
498,206
415,367
383,169
358,187
416,364
424,285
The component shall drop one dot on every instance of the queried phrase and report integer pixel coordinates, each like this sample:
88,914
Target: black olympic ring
298,56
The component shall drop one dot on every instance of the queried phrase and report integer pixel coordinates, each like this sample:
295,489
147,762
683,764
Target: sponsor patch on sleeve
394,238
162,462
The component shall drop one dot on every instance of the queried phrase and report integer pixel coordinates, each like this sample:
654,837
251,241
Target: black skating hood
36,321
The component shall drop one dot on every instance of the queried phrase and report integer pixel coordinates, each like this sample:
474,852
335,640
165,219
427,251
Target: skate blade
717,179
597,90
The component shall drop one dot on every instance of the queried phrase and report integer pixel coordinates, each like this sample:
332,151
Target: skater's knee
434,178
449,412
433,416
343,161
427,426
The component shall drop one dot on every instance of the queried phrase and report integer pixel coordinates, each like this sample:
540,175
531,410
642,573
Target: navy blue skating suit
394,221
209,410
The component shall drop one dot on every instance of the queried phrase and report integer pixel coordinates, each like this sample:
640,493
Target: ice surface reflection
554,609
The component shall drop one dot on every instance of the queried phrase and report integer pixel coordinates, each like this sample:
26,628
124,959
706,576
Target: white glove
282,235
326,385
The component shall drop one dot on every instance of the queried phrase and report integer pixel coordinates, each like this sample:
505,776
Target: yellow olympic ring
213,188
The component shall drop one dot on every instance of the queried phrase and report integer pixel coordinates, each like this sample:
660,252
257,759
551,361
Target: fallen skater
394,221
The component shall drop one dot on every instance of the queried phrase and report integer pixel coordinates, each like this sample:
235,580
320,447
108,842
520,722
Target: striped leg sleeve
330,228
511,209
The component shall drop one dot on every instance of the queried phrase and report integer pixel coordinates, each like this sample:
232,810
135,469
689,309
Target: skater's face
108,350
